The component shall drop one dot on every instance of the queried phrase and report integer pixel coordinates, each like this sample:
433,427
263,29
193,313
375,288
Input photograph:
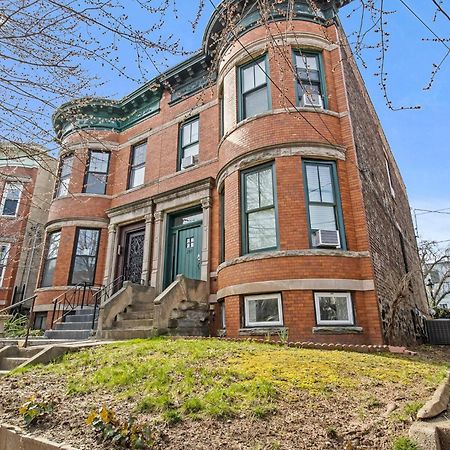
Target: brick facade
346,133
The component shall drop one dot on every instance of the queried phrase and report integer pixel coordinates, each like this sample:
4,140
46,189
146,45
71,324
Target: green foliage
17,326
408,413
283,336
34,410
441,313
404,443
125,434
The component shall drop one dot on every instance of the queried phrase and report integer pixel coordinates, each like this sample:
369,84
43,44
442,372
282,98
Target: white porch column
206,206
110,254
157,266
147,249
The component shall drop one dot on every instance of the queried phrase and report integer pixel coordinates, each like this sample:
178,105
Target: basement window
263,310
334,308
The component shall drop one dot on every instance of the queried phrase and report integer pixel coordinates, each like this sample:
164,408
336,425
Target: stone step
27,352
78,318
75,325
144,306
117,334
9,363
144,324
68,334
135,315
79,312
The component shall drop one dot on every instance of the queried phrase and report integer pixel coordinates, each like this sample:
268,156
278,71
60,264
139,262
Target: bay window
65,173
310,81
97,173
53,240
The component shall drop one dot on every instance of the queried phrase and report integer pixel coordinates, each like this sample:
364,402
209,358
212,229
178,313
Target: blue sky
418,138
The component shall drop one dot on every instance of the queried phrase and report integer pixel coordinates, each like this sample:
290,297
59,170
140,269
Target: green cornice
105,114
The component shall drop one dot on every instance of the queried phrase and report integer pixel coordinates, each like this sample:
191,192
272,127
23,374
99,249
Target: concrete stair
76,326
12,357
136,320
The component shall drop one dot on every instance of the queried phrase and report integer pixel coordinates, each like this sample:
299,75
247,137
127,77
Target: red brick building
258,166
26,189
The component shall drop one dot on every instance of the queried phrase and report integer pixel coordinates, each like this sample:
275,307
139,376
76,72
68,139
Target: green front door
184,255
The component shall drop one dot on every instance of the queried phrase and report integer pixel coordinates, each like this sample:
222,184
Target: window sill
5,216
262,331
338,329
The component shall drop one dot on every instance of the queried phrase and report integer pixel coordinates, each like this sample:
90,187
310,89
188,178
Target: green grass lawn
177,379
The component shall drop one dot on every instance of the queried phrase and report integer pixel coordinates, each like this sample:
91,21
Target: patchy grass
201,378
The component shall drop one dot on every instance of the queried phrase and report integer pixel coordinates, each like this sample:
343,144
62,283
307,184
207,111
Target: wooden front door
184,255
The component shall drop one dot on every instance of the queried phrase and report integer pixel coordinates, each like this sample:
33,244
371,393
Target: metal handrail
17,304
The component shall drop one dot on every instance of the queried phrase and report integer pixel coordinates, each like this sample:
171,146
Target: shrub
126,434
17,326
404,443
33,410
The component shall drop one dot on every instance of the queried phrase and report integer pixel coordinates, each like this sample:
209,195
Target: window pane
188,218
248,78
87,242
266,188
3,253
13,191
312,176
96,183
83,270
334,308
192,150
10,207
262,231
252,190
186,135
139,154
326,184
99,162
256,102
263,310
137,177
322,217
307,62
63,188
66,167
260,73
53,245
194,131
49,270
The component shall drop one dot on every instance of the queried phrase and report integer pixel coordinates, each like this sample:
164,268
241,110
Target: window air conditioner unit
188,161
312,100
326,238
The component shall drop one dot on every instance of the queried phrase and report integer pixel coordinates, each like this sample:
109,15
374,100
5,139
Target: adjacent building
259,166
27,177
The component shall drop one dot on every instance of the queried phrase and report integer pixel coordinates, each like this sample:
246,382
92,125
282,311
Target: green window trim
246,211
337,203
321,82
241,113
196,142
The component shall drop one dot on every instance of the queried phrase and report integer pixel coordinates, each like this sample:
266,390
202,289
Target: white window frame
351,319
5,262
5,193
248,298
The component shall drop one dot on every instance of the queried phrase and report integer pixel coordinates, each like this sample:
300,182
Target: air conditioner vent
326,238
188,161
312,99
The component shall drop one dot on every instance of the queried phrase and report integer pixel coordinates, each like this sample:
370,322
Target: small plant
172,417
283,336
34,409
404,443
126,434
17,326
332,433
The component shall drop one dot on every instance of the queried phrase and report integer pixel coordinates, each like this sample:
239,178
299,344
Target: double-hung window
222,224
53,240
65,172
254,89
84,259
4,252
137,165
263,310
10,199
323,201
97,173
259,210
189,143
334,308
310,82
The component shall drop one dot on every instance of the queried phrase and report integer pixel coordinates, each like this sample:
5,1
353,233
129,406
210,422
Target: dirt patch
337,418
